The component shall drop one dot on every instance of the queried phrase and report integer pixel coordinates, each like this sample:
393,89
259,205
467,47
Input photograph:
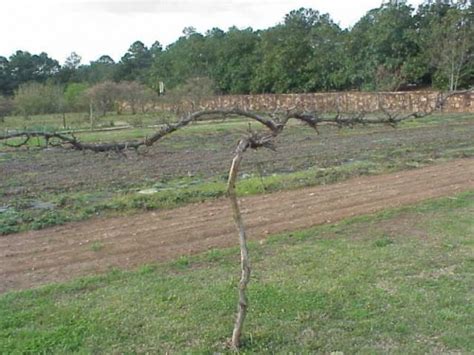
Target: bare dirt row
76,249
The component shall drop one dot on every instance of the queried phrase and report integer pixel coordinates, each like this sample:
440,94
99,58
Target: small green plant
146,269
9,222
383,242
97,246
181,263
214,255
48,219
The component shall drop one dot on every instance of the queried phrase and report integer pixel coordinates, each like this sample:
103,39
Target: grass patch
54,122
399,281
384,241
97,246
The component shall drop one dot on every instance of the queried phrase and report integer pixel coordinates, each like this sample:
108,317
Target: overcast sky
96,27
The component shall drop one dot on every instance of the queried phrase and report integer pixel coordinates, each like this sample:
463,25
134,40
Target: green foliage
34,98
135,63
391,47
102,69
386,50
302,54
48,219
381,44
446,33
10,221
7,84
236,59
23,67
97,246
186,58
75,96
383,242
323,290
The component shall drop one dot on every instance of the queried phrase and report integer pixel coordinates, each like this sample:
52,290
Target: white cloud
129,7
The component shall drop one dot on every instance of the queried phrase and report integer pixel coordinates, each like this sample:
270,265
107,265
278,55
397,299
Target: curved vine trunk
244,254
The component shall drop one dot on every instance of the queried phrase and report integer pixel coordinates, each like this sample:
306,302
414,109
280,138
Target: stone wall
414,101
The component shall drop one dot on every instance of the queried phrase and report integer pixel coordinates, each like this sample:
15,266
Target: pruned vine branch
275,122
69,140
395,117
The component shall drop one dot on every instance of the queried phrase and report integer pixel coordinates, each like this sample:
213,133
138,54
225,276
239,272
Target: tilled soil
62,253
27,174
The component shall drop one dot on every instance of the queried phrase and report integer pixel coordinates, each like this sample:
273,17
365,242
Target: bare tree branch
395,117
71,141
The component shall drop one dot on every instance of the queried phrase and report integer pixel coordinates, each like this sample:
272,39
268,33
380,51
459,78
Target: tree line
391,47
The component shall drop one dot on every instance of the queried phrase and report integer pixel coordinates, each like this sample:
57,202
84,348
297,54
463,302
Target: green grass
80,120
399,282
52,122
437,119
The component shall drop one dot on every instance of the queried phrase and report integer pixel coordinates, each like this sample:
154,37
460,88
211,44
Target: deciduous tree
35,98
103,96
136,96
380,47
185,97
446,36
76,98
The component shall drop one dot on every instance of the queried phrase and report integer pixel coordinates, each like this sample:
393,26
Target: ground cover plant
399,281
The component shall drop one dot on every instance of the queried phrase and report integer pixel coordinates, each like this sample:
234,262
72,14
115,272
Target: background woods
390,48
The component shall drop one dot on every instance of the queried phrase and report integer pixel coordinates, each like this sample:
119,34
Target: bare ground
84,248
29,173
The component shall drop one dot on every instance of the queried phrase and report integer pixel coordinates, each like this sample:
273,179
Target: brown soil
62,253
26,174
